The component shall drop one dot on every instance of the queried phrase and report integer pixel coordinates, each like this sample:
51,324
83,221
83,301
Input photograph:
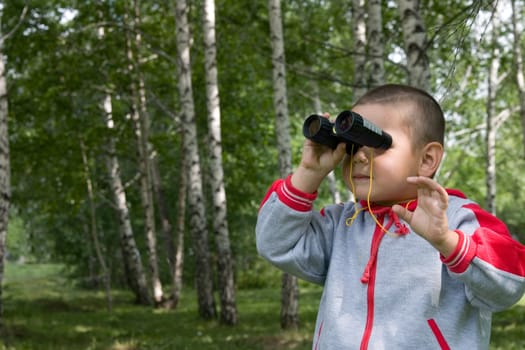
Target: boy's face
390,167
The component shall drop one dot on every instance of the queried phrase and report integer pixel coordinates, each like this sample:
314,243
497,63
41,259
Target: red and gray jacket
391,289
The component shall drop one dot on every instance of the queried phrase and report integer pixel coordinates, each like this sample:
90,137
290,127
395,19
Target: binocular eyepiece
350,128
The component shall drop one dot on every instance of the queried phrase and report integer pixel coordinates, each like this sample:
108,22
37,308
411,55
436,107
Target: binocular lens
345,122
319,129
314,126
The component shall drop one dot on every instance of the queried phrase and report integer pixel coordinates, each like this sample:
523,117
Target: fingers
430,189
402,213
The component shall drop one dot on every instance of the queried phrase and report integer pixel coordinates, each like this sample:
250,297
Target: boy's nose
361,156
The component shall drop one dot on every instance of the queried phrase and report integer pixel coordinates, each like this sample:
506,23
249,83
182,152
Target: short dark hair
427,121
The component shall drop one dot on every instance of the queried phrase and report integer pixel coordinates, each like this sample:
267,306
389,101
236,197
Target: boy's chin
379,200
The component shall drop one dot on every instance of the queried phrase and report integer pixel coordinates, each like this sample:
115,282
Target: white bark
5,177
376,45
491,132
178,264
359,34
226,283
140,120
289,291
280,100
494,80
518,62
196,208
130,252
415,41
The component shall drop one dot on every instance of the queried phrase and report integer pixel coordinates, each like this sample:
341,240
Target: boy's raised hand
429,220
316,162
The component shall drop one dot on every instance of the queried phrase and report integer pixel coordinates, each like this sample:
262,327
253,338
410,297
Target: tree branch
14,29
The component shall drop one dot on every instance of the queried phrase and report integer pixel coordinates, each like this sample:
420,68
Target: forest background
128,170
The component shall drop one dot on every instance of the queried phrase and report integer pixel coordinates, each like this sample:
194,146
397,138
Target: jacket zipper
369,277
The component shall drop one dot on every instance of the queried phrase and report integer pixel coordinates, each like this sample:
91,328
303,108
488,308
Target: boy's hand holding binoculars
326,144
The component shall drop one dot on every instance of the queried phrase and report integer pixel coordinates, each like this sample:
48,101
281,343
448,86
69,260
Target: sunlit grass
44,311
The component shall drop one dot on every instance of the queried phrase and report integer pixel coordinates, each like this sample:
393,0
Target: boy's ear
431,156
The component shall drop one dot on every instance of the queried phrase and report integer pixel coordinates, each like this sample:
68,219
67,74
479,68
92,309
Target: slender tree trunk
106,277
140,120
290,289
376,45
132,260
160,198
490,170
5,177
518,62
225,276
203,274
491,132
415,39
359,35
178,263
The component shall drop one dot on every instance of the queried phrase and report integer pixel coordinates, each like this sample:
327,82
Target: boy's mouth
358,177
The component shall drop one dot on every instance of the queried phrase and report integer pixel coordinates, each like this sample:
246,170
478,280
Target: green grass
44,311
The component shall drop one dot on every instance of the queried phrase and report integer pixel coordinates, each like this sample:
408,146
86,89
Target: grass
44,311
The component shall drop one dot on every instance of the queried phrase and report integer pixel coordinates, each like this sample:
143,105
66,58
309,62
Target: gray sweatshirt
385,287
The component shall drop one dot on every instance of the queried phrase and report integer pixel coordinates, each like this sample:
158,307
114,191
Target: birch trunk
226,283
491,132
415,41
178,262
518,62
289,290
359,33
203,275
106,276
160,198
490,171
5,177
140,120
376,45
132,260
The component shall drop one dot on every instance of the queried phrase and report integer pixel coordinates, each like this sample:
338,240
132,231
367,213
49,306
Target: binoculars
350,128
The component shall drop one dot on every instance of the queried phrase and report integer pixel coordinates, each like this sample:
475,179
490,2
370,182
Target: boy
410,265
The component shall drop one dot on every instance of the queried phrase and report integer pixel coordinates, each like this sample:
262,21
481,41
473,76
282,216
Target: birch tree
290,289
203,274
178,262
132,260
494,118
359,35
5,176
139,117
518,63
376,45
415,44
491,132
226,283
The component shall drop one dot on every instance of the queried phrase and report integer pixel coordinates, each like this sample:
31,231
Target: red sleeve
491,242
291,196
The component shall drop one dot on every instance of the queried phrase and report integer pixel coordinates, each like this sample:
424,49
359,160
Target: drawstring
401,230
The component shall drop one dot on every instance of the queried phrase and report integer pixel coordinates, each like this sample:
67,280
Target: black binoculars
350,128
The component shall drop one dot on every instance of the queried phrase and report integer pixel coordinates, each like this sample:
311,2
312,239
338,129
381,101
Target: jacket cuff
461,257
294,198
